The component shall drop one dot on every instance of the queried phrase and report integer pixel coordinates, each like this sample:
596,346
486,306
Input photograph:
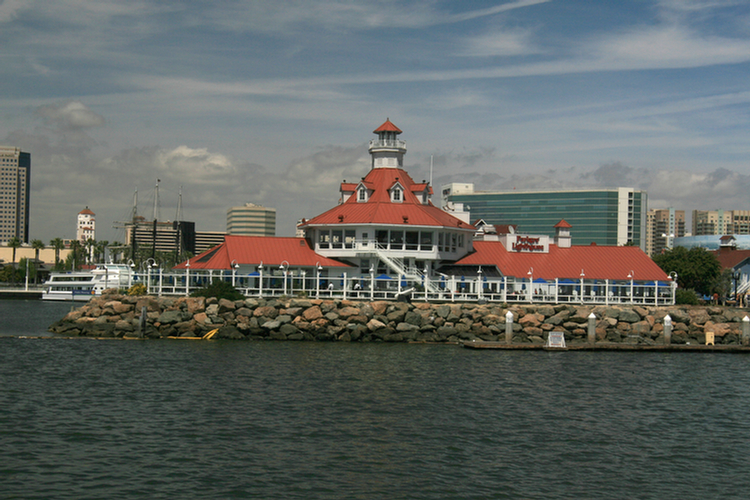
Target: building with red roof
385,224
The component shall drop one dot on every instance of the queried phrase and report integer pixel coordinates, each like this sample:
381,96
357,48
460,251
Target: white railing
388,143
429,288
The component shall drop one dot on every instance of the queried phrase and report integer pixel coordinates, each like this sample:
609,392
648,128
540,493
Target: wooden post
509,327
592,328
144,317
745,330
667,330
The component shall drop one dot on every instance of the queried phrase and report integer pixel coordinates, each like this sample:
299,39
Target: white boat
82,285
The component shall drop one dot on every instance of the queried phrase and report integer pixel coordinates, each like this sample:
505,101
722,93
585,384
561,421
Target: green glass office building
601,216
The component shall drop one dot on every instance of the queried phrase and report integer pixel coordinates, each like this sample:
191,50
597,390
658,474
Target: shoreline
293,319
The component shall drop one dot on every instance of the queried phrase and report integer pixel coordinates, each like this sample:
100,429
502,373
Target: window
336,238
397,195
362,196
324,239
412,240
349,235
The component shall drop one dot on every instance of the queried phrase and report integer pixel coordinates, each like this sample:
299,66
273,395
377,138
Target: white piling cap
667,320
509,317
592,316
746,319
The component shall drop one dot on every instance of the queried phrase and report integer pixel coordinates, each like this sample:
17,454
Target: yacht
82,285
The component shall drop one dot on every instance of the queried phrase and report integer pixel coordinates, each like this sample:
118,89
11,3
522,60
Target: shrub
686,297
219,289
138,289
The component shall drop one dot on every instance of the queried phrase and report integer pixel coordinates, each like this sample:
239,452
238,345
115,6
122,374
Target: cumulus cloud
72,115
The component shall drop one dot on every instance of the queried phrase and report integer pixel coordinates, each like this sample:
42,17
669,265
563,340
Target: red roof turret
388,126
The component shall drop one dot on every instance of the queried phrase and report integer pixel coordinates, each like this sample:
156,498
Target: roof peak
387,126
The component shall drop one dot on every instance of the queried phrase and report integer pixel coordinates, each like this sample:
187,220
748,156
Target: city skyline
273,103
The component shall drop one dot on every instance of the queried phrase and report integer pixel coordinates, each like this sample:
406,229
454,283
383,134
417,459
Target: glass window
324,239
349,236
412,240
336,238
382,238
397,240
425,241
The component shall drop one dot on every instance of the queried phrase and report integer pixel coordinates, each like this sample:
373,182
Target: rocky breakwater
113,315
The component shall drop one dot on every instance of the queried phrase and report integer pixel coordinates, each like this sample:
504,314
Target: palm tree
36,245
58,244
100,250
14,243
90,244
75,246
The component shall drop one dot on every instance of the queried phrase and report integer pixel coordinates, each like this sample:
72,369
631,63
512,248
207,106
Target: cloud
503,42
72,115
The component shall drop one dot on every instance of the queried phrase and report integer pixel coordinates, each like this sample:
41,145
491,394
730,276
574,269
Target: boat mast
156,217
178,224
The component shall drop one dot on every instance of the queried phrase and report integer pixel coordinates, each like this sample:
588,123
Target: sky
273,102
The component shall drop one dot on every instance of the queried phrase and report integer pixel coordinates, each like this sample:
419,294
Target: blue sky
273,102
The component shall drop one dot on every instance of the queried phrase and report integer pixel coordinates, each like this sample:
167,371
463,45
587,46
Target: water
89,418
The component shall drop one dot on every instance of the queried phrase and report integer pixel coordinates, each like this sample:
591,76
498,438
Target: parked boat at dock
82,285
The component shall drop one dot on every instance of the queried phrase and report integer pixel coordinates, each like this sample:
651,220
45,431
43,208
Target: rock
312,313
629,316
170,317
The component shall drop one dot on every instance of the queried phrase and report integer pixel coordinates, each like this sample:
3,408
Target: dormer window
397,195
362,194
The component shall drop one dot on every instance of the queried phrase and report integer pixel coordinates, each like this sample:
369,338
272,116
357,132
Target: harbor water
87,418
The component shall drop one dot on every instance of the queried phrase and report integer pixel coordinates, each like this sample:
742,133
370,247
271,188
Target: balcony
387,143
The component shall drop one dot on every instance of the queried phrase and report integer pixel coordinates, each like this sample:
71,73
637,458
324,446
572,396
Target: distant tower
15,173
387,150
86,227
251,220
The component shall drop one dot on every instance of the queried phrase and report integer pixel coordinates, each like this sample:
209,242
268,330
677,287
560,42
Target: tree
14,243
37,245
697,268
58,244
74,259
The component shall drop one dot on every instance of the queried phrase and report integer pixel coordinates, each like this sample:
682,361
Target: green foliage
686,297
137,289
9,274
219,289
696,269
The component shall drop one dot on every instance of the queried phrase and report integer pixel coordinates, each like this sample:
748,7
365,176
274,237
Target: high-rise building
251,220
86,225
663,226
170,237
602,216
706,222
15,179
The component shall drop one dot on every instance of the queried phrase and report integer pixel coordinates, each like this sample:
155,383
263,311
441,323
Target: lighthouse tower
387,151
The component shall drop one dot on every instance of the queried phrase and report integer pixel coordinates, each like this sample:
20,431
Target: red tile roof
86,211
730,258
388,126
256,249
379,209
562,223
597,262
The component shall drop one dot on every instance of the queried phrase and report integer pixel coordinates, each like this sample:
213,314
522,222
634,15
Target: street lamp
372,282
673,277
260,277
284,266
234,265
187,277
583,275
631,276
318,269
131,265
670,238
530,274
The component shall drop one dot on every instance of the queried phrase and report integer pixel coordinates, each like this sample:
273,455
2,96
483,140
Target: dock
609,346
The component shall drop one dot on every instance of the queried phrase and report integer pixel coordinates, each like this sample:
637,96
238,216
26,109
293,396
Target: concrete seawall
114,315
